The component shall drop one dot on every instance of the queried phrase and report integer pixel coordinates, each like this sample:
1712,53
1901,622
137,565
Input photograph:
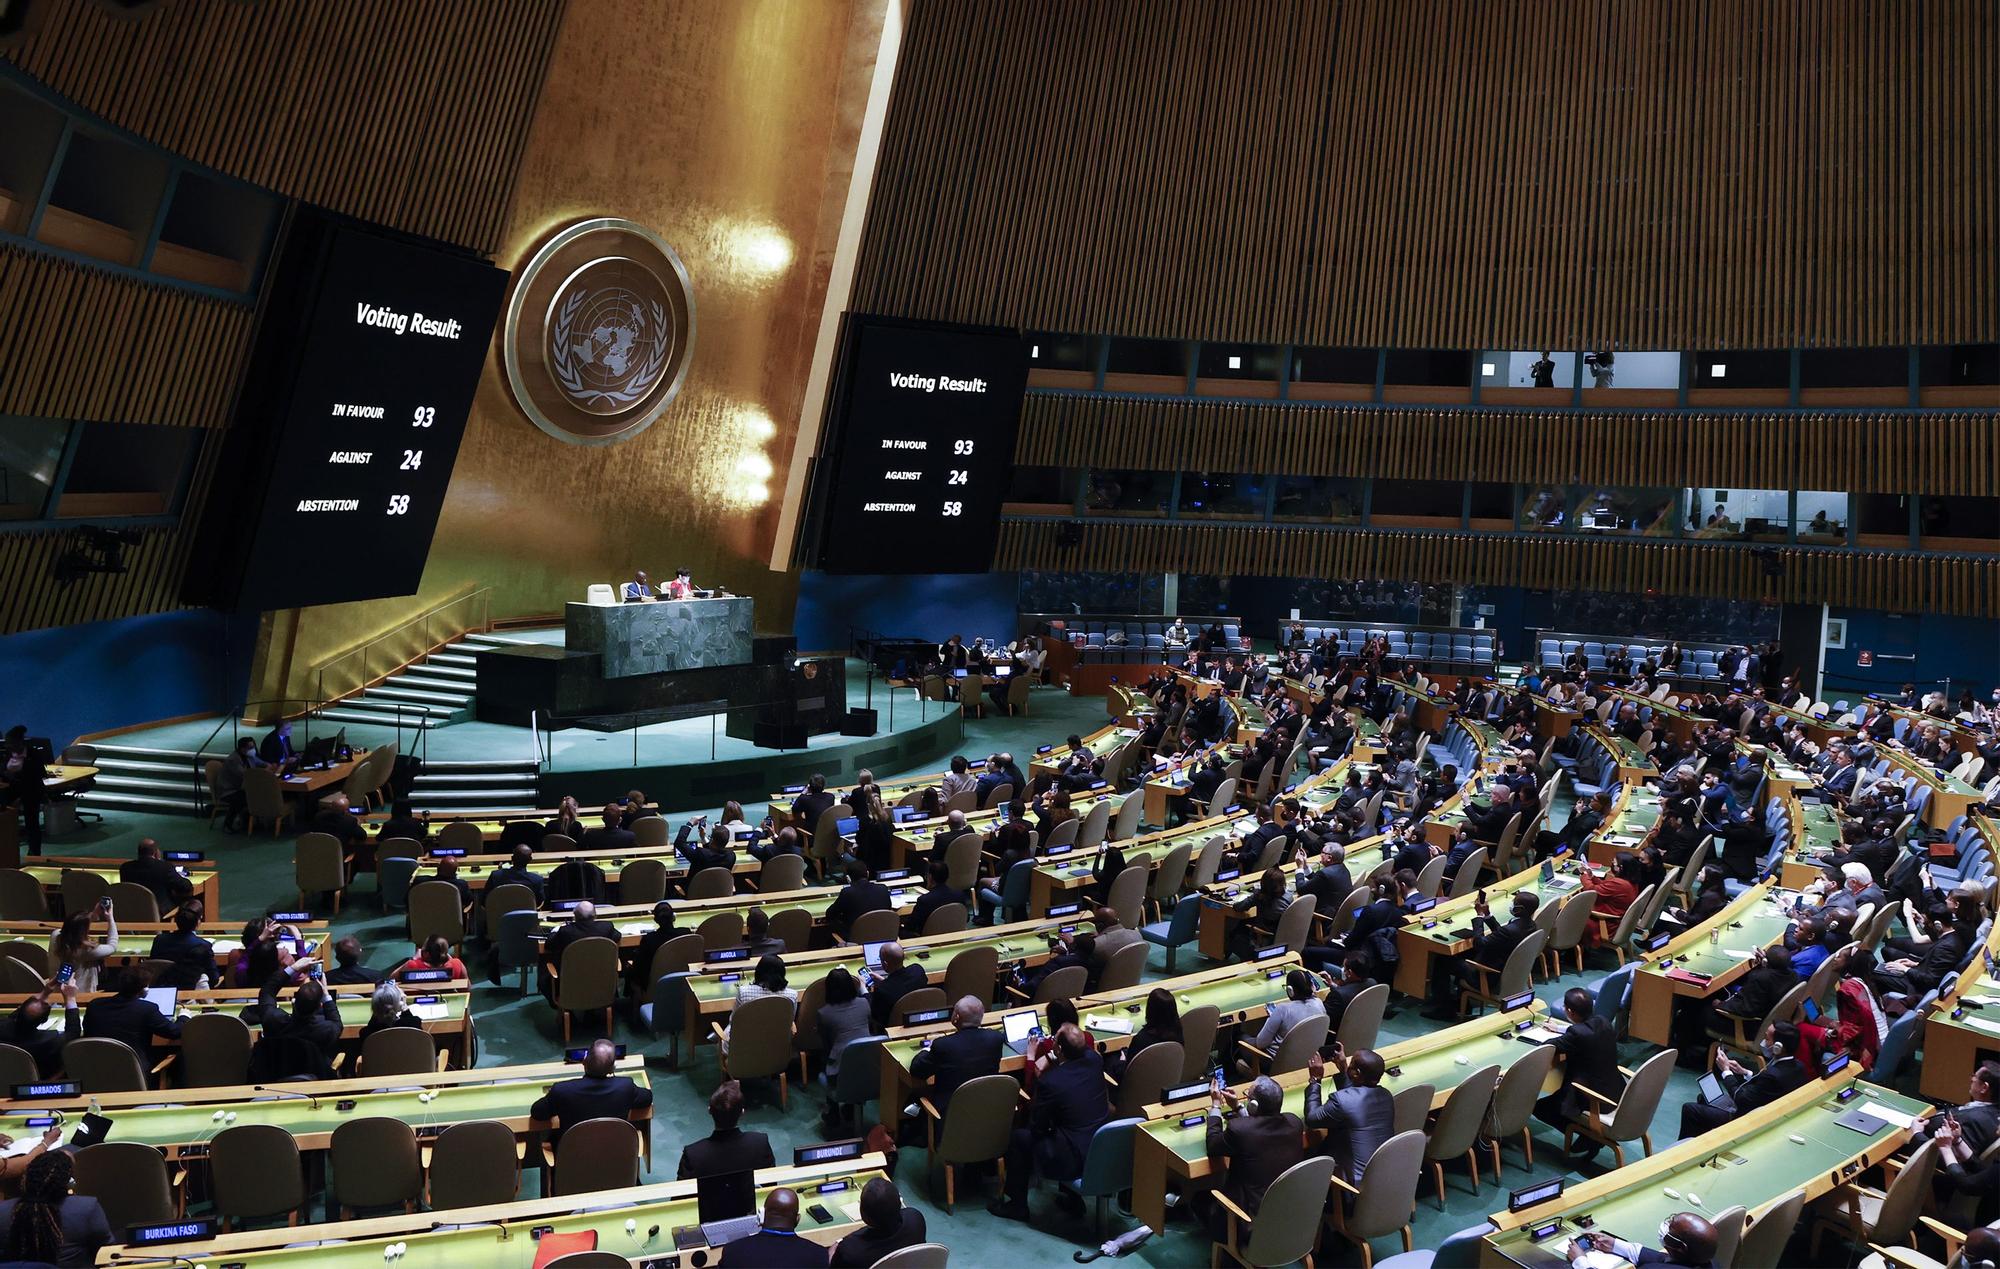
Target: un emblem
599,331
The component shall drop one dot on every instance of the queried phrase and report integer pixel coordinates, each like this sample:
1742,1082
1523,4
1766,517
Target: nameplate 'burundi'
599,332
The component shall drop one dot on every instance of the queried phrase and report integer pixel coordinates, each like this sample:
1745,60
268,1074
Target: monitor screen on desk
725,1196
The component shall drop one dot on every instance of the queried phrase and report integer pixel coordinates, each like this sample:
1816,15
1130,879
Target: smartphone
64,974
820,1214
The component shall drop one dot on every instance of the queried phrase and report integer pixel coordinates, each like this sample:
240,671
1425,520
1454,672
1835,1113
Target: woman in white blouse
73,946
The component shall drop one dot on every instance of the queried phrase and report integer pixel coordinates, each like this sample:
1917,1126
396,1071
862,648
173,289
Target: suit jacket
158,876
854,900
1493,943
1759,992
1357,1121
862,1248
930,902
1769,1084
769,1249
1255,1150
726,1150
604,837
809,806
564,935
191,954
84,1228
573,1101
1070,1104
962,1054
1589,1053
883,997
509,875
1203,783
1330,886
135,1021
577,879
44,1046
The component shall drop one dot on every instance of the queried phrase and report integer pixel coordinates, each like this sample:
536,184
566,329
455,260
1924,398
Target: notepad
1888,1115
1117,1026
1740,953
432,1012
21,1146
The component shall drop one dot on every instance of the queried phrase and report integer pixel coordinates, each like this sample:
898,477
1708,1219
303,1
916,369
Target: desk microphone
280,1092
447,1227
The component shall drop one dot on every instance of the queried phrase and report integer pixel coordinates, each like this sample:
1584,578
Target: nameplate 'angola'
599,332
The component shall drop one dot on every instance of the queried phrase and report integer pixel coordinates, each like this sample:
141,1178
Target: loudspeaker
779,736
859,722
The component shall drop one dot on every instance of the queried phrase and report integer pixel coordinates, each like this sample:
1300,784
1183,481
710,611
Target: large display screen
923,447
367,355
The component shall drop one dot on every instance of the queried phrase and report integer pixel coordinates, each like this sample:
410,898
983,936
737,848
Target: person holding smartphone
1687,1242
73,946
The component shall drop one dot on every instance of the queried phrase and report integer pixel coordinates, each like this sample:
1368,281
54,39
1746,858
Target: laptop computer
726,1207
871,954
1021,1029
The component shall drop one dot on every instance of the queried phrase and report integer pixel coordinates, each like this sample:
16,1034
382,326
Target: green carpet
257,875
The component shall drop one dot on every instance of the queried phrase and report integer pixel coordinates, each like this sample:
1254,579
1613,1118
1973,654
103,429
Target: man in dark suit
405,823
1760,990
348,971
1492,944
128,1016
727,1148
1352,981
966,1052
1250,1150
276,748
715,850
936,896
1687,1242
1588,1051
861,894
1744,1092
1584,821
1330,883
639,976
23,1029
1360,1115
777,1244
1979,1116
612,833
191,957
1952,934
894,981
583,924
1069,1106
597,1094
335,821
517,872
886,1226
156,874
1203,783
813,803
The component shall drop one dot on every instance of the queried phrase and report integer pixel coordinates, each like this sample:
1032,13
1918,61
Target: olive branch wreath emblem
569,374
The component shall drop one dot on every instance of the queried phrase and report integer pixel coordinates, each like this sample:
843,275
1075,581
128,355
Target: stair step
147,766
386,701
142,751
446,670
100,799
184,785
344,714
505,779
397,689
481,799
493,764
453,657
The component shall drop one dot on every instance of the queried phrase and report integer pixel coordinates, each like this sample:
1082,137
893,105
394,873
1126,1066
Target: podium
661,637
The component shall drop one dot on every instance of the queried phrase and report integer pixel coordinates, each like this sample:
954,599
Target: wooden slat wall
82,343
412,115
1933,452
1447,173
1967,585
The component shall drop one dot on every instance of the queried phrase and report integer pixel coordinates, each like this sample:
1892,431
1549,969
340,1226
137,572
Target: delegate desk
476,870
1703,960
709,993
1430,711
508,1235
491,822
1447,930
181,1125
49,869
1632,764
1666,716
921,837
1633,817
64,778
135,938
1962,1029
1165,788
445,1007
1173,1142
1812,836
1798,1142
309,784
1242,994
1102,743
635,920
1553,721
1950,797
661,636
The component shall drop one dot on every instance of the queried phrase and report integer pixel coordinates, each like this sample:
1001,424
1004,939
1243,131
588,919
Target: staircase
493,784
140,778
433,692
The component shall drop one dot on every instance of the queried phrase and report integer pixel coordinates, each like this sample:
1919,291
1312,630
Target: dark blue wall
1965,648
70,681
923,607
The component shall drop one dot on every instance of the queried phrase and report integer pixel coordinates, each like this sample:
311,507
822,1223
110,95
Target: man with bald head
891,983
1071,1103
600,1093
966,1052
777,1244
1250,1150
1686,1240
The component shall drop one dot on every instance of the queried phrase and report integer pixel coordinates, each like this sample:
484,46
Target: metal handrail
430,643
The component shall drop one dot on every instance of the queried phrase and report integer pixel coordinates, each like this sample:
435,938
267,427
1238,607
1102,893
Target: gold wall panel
729,130
1886,451
1448,173
1897,581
